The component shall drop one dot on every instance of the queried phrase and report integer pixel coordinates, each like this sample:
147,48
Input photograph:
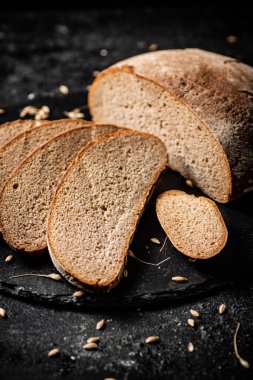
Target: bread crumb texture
199,103
98,204
26,197
193,224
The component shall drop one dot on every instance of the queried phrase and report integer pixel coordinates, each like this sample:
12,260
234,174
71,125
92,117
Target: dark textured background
40,51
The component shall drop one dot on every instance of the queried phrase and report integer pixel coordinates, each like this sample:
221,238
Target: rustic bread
13,128
97,206
14,152
199,103
193,224
26,196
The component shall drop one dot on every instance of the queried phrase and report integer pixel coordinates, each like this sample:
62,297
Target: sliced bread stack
16,150
97,206
199,103
26,196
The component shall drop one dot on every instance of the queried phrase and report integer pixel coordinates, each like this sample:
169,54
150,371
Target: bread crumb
2,111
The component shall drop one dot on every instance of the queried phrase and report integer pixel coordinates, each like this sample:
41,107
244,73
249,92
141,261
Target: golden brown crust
28,124
218,89
170,193
71,276
18,121
40,127
129,71
5,232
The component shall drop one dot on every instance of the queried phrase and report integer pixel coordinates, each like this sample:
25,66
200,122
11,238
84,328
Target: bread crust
70,275
5,232
8,124
30,124
40,127
203,199
26,134
216,89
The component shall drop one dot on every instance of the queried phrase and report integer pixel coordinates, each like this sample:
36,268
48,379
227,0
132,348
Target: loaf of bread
97,206
194,225
199,103
26,196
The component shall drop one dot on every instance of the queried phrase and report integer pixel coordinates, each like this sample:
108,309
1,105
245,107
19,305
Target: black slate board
146,285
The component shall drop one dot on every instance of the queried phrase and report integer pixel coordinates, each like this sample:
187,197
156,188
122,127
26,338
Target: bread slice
193,224
14,152
97,206
199,103
26,196
13,128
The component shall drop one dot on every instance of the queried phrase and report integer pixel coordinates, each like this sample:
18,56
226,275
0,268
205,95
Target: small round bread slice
26,197
97,206
11,129
15,151
194,225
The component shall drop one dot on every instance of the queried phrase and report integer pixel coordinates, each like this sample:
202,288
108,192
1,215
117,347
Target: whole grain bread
97,206
199,103
194,225
26,196
10,130
14,152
